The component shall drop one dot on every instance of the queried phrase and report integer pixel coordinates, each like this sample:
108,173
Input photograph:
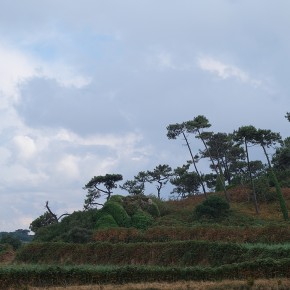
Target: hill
141,239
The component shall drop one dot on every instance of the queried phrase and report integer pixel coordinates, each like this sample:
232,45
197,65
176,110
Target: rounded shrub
106,221
118,213
142,220
152,209
213,207
117,198
131,207
163,206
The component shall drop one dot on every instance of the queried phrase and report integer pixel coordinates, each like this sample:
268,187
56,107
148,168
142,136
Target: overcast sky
87,87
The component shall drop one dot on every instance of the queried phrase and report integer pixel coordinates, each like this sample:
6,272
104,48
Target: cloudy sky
87,87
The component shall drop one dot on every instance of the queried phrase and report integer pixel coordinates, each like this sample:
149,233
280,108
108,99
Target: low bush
78,235
10,240
118,213
214,207
106,221
152,209
142,220
263,189
60,231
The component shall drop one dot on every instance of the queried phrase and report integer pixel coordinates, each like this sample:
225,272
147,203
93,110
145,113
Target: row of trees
229,162
230,165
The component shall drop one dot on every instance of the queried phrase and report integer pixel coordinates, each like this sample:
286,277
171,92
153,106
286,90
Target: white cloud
68,167
25,145
226,71
16,174
18,66
15,67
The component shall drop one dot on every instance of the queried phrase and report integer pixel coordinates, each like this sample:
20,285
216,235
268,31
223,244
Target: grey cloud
45,103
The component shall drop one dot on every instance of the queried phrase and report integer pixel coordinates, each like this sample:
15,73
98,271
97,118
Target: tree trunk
277,187
251,179
194,164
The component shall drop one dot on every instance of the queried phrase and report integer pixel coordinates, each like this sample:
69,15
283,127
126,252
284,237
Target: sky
88,87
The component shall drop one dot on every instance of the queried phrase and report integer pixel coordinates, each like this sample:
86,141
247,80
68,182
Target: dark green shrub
51,233
163,206
106,221
10,240
152,209
78,235
118,213
213,207
60,231
263,190
131,206
219,186
141,220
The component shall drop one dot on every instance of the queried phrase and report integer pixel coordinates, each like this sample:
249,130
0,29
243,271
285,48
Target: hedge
258,234
47,276
181,253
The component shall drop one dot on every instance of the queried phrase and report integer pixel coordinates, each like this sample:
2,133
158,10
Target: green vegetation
43,276
241,231
214,207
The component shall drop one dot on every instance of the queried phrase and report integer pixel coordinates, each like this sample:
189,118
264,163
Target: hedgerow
177,253
258,234
47,276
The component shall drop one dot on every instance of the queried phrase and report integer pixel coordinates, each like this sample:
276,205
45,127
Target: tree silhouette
95,190
173,131
161,175
246,135
196,126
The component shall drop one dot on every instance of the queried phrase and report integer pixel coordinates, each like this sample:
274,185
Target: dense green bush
10,240
214,207
142,220
106,221
131,207
51,233
118,213
117,198
61,231
152,209
78,235
263,189
164,207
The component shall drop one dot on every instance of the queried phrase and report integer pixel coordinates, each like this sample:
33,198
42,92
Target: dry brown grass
222,285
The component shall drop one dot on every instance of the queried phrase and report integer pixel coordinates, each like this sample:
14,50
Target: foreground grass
264,284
